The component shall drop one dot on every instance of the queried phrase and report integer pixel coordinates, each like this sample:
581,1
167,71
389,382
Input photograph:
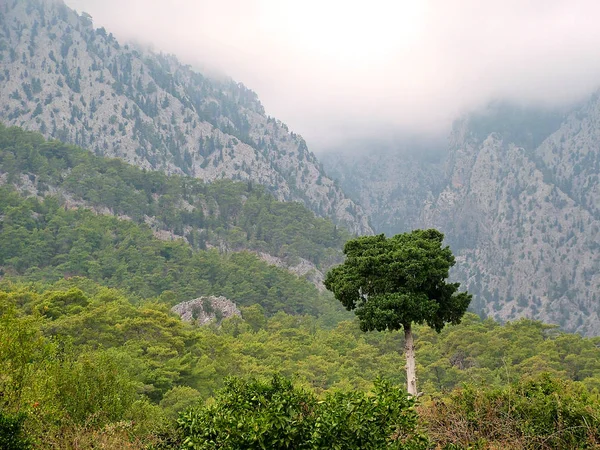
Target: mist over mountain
516,195
340,71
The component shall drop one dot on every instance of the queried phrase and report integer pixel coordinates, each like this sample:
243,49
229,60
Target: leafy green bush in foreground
276,415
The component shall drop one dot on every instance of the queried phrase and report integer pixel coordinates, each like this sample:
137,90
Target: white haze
335,70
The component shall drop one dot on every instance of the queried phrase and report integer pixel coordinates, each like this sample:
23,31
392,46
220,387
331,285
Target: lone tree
394,282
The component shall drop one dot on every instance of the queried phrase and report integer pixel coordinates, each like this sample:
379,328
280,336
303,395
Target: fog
339,70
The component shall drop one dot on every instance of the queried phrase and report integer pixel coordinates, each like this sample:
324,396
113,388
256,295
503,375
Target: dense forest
43,241
224,213
92,357
85,362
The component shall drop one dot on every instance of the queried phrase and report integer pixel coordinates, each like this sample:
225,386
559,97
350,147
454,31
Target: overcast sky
338,69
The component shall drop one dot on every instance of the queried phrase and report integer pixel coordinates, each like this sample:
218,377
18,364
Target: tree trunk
409,352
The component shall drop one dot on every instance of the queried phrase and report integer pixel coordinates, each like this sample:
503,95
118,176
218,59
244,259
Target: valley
178,269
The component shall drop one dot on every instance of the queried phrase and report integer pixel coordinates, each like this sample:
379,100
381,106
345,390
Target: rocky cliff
205,310
391,186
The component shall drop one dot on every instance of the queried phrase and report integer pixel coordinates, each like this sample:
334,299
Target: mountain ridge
78,84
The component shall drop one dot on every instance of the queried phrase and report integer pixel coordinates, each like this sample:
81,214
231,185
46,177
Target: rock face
300,267
518,200
62,77
392,187
527,248
205,310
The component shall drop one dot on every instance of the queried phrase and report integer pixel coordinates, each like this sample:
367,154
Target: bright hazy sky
338,69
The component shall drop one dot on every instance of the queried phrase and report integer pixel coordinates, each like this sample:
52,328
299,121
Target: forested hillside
78,84
94,252
43,241
225,215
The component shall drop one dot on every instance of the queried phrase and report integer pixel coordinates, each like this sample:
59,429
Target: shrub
276,415
540,413
12,436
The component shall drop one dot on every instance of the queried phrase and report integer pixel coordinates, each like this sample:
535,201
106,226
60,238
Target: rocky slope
391,186
519,203
78,84
205,310
526,247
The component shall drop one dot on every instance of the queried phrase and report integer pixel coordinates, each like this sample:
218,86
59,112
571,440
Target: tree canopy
394,282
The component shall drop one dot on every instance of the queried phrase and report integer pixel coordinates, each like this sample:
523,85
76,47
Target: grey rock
204,310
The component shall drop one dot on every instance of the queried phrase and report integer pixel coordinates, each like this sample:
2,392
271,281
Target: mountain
517,195
78,84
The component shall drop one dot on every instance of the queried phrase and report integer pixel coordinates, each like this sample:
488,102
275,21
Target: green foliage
79,356
11,432
42,241
251,415
354,420
92,387
163,352
276,415
179,399
539,413
392,283
56,385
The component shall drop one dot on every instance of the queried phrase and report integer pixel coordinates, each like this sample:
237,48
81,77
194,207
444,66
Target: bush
540,413
276,415
11,432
